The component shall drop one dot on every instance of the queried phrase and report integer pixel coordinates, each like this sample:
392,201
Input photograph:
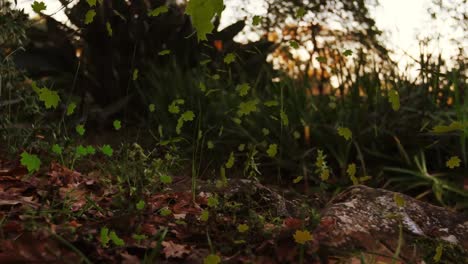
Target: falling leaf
296,135
31,161
229,58
164,52
213,201
300,12
91,3
140,205
89,17
394,99
38,7
347,53
298,179
71,108
152,108
212,259
256,20
271,103
109,29
242,228
202,13
115,239
107,150
453,162
345,132
321,59
57,149
294,44
165,211
117,124
272,150
241,147
243,89
205,214
157,11
230,161
165,179
174,108
301,237
399,200
135,75
210,144
80,129
438,254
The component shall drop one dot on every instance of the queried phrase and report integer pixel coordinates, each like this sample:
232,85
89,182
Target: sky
403,21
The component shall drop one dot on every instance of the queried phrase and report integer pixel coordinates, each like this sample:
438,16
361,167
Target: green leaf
272,150
213,201
300,12
104,235
81,151
165,211
242,228
71,108
185,117
80,129
140,205
284,118
49,97
347,53
229,58
204,62
202,13
57,149
454,126
265,131
294,44
165,179
109,29
31,161
115,239
38,7
271,103
152,108
89,17
296,135
135,75
164,52
107,150
453,162
345,132
210,144
438,254
230,161
243,89
202,87
205,214
91,3
245,108
216,77
174,108
321,59
90,150
399,200
256,20
117,124
241,147
298,179
351,170
212,259
158,10
394,99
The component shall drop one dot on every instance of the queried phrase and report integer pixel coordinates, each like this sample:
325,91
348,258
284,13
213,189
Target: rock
368,219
